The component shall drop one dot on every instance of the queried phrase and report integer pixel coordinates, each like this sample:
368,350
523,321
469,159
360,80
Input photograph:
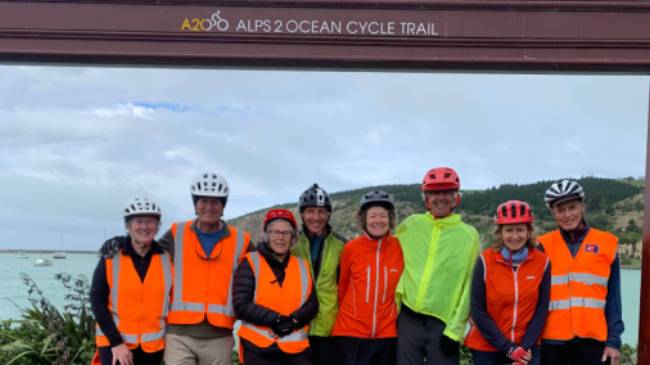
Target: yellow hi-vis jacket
326,283
439,258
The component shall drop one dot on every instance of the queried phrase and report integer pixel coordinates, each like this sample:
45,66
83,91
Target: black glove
282,326
112,246
448,346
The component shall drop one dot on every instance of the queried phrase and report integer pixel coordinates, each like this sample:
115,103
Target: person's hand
122,354
112,246
520,355
282,326
614,355
448,346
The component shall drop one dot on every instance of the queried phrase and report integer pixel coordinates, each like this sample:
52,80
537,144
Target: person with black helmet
206,252
371,265
321,247
274,298
584,324
133,333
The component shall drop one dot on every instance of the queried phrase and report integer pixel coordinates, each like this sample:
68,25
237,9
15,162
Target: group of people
305,295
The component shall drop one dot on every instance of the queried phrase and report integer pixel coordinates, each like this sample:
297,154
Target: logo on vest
591,247
530,277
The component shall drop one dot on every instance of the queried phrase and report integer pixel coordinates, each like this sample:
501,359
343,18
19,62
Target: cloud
77,143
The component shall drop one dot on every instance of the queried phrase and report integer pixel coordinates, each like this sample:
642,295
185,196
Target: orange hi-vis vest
511,296
139,308
579,285
285,299
202,285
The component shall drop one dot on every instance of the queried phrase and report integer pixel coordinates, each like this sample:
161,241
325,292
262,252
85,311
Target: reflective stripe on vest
144,337
587,279
178,304
576,302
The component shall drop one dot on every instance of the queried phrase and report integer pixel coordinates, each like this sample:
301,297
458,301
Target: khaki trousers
185,350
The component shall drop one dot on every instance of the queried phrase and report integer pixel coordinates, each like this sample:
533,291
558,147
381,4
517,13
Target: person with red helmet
440,251
371,265
511,288
274,297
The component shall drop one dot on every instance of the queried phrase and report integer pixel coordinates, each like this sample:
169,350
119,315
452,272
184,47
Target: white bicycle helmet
562,191
140,207
210,184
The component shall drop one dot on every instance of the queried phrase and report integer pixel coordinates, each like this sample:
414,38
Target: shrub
46,335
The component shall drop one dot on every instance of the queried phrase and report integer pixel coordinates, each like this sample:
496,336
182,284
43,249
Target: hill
613,204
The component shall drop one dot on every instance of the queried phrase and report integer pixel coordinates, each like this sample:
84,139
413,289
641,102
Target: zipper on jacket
514,316
383,297
374,304
367,284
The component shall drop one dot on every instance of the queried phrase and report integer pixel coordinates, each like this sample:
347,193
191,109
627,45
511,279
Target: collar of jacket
310,237
451,220
264,250
578,235
373,242
225,228
130,251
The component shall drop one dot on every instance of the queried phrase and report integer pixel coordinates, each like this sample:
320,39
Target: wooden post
644,308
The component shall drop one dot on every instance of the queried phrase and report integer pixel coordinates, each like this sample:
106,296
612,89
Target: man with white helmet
321,248
206,252
584,323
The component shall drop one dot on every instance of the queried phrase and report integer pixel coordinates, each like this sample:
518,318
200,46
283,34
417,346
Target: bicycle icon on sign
217,21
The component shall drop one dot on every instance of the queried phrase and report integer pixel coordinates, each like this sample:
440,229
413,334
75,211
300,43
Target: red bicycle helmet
513,212
278,213
440,178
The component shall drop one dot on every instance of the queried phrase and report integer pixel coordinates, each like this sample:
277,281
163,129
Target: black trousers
323,350
574,352
418,338
362,351
272,356
139,357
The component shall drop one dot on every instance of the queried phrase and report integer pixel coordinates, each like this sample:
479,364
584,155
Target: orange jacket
511,296
139,308
202,284
579,285
285,300
369,272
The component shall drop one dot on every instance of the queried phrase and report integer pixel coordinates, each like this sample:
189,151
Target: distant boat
42,262
22,255
59,255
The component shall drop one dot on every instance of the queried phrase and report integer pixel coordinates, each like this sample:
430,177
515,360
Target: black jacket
243,293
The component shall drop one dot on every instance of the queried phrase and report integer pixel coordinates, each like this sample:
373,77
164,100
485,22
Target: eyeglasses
276,233
144,221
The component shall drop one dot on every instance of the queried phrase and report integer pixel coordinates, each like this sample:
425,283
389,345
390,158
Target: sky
77,143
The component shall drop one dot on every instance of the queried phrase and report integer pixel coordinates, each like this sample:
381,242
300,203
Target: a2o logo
215,21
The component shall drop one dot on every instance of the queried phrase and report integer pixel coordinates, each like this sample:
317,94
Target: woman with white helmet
371,265
130,292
